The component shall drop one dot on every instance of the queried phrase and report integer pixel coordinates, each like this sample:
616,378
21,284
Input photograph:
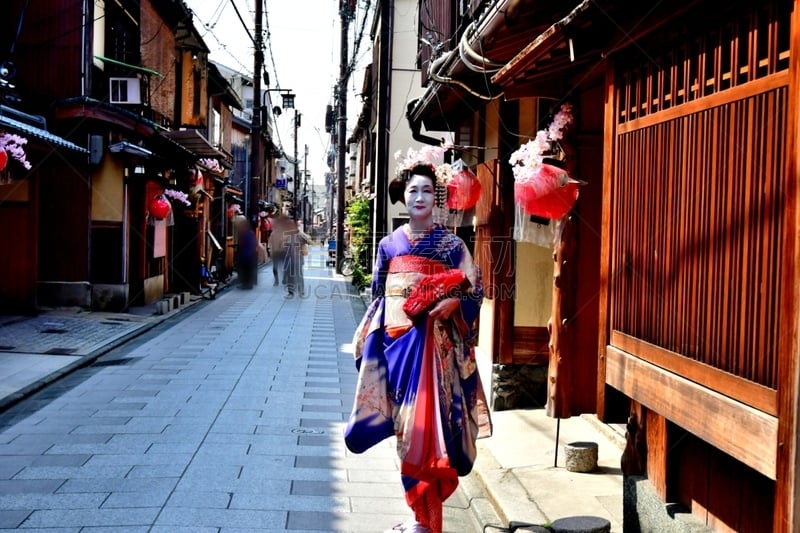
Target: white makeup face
420,195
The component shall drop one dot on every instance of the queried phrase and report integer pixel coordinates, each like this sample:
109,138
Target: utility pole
255,127
305,188
346,8
296,169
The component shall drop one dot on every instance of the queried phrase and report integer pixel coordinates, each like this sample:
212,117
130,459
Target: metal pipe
295,169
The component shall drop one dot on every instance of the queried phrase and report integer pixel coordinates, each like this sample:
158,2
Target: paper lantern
3,159
159,207
195,177
548,193
463,190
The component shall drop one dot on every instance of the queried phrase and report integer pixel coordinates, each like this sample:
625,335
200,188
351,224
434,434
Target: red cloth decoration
435,287
463,190
159,207
3,159
415,263
550,193
426,460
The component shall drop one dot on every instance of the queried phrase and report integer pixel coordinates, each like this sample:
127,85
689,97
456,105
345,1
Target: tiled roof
39,133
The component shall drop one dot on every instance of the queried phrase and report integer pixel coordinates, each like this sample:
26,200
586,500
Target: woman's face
419,196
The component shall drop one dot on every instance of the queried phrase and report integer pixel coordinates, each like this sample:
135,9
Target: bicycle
348,264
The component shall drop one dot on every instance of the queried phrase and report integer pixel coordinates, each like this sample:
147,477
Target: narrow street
227,418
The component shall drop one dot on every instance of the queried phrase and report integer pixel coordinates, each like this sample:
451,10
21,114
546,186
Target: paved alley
227,418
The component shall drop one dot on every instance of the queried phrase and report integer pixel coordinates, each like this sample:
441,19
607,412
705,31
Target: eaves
461,78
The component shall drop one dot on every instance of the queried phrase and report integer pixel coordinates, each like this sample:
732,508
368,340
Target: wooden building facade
127,82
677,306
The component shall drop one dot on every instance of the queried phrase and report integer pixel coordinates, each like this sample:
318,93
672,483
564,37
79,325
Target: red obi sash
415,263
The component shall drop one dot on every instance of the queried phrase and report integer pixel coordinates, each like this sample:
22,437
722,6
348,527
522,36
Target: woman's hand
444,308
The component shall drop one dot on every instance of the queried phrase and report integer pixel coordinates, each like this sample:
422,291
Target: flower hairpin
432,156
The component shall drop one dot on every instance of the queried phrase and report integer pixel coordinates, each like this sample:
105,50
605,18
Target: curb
482,511
606,430
508,497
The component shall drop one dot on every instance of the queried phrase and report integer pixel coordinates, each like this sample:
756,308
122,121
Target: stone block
518,386
581,456
163,306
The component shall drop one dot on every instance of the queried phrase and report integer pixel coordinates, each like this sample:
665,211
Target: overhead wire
222,46
267,44
357,41
267,40
246,29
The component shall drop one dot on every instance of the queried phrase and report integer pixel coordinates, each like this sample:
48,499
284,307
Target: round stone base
581,456
581,524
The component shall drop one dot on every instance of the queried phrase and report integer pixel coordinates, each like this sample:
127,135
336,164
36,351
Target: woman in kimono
418,379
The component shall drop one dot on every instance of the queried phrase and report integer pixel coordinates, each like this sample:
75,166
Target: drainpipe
416,125
86,58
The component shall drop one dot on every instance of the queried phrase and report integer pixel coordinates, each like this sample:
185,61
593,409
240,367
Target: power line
246,29
222,46
268,41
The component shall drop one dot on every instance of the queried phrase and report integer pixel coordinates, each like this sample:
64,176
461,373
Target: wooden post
559,374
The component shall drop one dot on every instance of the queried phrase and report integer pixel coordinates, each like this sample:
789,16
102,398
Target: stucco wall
108,190
405,87
534,294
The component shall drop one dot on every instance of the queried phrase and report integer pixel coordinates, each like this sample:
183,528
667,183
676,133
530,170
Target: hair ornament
431,156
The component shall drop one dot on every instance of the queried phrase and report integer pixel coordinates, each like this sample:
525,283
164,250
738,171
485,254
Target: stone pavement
226,415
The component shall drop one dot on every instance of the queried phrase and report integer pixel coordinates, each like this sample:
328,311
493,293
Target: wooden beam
742,432
609,146
738,388
786,513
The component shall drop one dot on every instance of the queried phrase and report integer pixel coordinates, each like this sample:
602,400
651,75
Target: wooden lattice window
747,47
697,208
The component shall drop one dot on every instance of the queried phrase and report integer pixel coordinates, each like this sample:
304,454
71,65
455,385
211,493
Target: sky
301,54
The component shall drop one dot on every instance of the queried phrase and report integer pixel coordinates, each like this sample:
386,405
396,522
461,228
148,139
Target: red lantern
159,207
463,190
3,159
195,177
550,193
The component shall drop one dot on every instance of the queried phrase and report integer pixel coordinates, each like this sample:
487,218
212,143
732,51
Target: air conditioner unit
125,91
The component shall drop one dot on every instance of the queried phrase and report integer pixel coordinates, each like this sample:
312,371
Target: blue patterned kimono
418,379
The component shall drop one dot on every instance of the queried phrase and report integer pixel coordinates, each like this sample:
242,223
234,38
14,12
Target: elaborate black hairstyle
397,187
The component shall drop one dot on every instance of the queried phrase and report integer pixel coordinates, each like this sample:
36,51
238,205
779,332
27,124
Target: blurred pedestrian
247,251
281,224
296,245
265,229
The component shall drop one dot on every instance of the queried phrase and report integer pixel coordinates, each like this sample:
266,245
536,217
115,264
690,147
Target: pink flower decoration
13,144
